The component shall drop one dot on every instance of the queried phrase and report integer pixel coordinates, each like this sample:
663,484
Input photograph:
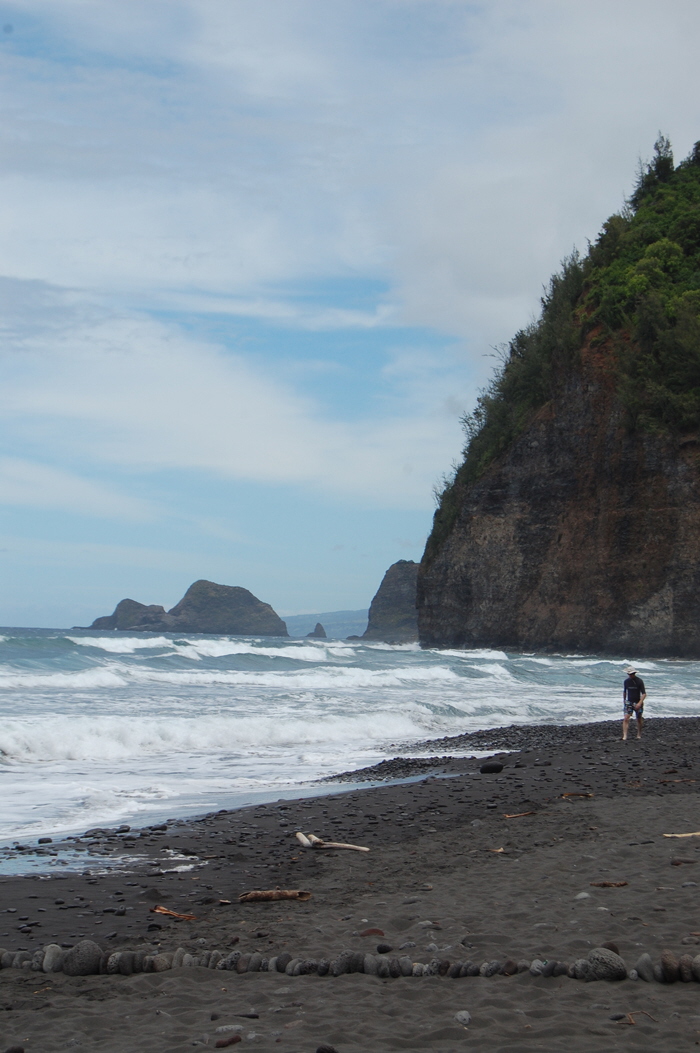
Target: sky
256,256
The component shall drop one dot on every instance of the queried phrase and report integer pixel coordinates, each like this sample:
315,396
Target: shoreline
474,866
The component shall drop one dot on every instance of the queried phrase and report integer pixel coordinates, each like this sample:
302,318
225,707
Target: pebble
326,1049
583,895
370,965
372,932
463,1017
384,948
491,768
696,967
230,1040
536,967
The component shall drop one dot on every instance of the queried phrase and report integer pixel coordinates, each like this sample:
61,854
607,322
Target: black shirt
633,689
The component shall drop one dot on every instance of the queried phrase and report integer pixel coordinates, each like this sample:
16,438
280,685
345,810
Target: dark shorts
630,711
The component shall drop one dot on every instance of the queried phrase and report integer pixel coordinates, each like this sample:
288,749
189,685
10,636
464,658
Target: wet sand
448,877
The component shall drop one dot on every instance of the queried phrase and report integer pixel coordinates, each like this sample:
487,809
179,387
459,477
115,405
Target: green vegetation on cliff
638,291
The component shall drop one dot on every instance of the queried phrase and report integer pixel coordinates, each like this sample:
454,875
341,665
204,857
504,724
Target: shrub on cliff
638,290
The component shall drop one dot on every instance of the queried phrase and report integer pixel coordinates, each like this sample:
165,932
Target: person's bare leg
625,726
640,721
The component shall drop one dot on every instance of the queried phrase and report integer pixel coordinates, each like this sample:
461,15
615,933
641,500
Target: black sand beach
455,874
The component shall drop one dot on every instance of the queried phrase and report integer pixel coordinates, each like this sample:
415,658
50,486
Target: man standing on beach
633,695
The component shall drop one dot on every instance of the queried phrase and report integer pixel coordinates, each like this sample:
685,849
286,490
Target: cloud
133,393
455,150
34,485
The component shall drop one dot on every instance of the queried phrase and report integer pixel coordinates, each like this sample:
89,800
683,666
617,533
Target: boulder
604,964
83,959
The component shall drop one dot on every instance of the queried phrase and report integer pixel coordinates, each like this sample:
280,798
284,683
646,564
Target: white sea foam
96,730
113,739
121,644
79,681
472,655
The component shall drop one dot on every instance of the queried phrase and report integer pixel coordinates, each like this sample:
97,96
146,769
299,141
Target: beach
462,867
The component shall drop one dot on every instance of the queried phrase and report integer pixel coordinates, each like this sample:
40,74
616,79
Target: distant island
205,608
573,522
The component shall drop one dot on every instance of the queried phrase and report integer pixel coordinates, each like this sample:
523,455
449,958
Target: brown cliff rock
392,613
582,535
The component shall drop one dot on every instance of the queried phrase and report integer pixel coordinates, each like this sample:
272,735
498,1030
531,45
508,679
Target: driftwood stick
696,834
173,914
317,842
275,893
303,839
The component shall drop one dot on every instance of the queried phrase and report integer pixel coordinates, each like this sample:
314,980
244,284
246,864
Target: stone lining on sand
602,963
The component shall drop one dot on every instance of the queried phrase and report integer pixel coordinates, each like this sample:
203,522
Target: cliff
205,608
392,613
574,521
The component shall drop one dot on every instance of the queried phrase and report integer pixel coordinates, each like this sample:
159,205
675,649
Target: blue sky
255,256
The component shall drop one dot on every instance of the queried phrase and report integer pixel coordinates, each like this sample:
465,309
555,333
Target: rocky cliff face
392,613
205,608
581,536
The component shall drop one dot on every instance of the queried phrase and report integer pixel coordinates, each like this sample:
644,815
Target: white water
104,729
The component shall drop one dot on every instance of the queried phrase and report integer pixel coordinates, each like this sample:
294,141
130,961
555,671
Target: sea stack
205,608
574,520
319,633
392,613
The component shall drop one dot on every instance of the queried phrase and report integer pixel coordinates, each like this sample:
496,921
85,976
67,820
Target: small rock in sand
326,1049
645,968
670,966
53,958
685,965
384,948
463,1017
696,967
491,768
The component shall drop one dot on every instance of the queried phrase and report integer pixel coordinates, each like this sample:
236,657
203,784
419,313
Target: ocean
106,728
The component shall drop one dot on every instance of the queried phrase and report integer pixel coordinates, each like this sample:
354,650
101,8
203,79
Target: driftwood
696,834
609,884
275,893
173,914
577,795
517,815
311,841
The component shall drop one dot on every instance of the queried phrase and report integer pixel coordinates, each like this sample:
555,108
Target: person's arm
642,694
